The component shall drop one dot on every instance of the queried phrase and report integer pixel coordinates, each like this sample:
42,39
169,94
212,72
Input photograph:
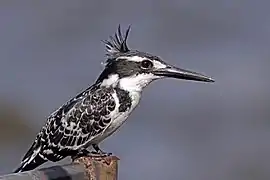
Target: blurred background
52,50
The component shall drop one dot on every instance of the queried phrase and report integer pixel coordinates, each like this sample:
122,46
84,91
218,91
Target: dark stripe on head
121,67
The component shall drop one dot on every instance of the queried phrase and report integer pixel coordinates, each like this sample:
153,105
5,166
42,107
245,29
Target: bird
102,108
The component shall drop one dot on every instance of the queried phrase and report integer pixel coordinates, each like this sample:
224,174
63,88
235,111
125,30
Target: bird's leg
99,152
81,153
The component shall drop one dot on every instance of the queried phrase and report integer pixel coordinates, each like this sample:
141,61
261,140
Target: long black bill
178,73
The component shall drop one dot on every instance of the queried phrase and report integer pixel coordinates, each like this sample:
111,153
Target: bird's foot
81,153
98,152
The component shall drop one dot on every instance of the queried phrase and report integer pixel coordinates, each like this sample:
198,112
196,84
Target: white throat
135,83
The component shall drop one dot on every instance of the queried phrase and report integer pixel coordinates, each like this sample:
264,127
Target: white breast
118,118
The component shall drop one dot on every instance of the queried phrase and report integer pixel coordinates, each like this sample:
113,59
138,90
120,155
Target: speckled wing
74,124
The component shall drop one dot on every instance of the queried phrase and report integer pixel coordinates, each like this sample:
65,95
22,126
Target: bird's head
133,70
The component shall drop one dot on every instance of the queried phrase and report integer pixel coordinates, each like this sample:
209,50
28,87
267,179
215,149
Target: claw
81,153
98,152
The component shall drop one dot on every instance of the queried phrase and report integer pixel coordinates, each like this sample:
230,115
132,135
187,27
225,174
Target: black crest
117,43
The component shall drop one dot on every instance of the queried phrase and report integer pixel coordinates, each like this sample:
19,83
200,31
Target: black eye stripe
121,59
124,67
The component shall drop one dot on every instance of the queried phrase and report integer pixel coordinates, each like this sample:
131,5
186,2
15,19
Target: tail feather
30,163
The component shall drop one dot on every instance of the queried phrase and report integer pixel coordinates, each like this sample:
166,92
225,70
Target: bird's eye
146,64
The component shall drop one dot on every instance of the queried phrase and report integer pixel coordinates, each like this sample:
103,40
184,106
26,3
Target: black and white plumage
102,108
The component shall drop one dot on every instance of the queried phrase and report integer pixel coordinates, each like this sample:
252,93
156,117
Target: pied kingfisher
99,110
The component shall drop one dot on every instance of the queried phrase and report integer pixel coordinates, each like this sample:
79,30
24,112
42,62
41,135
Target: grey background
51,50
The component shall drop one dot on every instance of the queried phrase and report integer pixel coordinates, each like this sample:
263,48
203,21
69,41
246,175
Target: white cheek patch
110,81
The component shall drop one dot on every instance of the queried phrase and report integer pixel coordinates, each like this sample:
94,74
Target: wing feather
74,124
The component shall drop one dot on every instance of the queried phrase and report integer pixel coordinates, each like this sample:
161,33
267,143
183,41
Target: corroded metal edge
99,168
